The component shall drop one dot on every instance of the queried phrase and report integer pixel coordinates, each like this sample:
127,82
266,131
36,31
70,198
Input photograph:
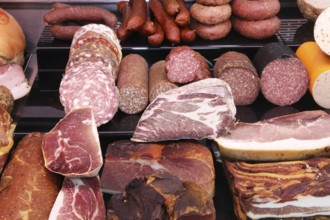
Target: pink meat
79,198
72,147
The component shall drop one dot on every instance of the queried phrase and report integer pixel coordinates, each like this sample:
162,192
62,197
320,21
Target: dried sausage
138,16
187,34
255,10
125,9
133,84
172,31
64,32
210,15
148,27
213,2
183,17
172,7
212,32
158,37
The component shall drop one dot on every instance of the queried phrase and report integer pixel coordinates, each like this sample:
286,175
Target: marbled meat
72,147
126,160
199,110
79,198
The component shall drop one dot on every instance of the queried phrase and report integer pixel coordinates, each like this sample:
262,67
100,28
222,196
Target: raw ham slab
199,110
79,198
72,147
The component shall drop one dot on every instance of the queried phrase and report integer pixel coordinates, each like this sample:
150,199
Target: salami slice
90,85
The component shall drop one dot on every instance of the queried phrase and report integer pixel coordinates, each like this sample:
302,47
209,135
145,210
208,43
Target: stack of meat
256,19
159,20
91,71
212,18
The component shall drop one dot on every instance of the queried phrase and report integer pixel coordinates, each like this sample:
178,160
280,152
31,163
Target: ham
72,147
199,110
126,160
79,198
291,137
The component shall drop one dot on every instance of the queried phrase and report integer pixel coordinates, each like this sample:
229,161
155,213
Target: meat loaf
184,65
31,189
255,10
258,29
322,30
210,15
212,32
158,82
133,84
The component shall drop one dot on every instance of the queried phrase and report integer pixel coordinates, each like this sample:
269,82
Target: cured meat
90,85
72,147
162,196
203,109
184,65
290,137
280,189
126,160
79,198
6,136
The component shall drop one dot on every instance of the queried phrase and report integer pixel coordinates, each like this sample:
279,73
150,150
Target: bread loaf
28,190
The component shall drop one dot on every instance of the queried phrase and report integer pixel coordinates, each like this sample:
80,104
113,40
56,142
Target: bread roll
27,189
12,39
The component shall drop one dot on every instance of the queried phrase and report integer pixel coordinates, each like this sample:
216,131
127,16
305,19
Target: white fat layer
280,145
152,163
321,90
57,206
319,205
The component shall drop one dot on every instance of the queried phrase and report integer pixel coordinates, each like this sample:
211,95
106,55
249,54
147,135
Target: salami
158,82
133,84
90,85
284,79
184,65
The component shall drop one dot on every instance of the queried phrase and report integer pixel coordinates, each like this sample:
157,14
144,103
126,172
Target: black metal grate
288,30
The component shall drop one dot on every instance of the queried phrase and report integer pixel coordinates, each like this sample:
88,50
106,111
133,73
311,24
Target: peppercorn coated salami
90,85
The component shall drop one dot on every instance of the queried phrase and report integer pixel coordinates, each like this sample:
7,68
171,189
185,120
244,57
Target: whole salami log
29,189
133,84
284,79
184,65
158,82
170,28
90,85
238,71
81,13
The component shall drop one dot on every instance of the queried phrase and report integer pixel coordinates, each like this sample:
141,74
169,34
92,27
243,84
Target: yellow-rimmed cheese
317,64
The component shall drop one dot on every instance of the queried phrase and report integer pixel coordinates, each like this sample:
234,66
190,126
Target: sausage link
139,14
81,13
172,7
187,34
170,28
158,37
63,32
183,17
124,8
148,27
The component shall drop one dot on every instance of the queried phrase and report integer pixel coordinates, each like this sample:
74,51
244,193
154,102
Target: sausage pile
256,19
212,18
66,19
91,72
158,20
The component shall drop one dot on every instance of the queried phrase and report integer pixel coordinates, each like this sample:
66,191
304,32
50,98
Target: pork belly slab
126,160
292,137
79,198
72,148
280,189
199,110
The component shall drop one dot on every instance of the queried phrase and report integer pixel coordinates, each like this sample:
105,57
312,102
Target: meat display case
41,110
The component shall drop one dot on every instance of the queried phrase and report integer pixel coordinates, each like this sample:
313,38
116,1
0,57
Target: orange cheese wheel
317,64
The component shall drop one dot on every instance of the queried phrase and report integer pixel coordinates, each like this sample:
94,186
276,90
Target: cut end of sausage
133,99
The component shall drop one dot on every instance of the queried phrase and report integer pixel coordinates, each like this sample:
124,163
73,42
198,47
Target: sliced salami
90,85
184,65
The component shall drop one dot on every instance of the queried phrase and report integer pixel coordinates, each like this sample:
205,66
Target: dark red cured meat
79,198
284,81
126,160
184,65
90,85
244,84
72,147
